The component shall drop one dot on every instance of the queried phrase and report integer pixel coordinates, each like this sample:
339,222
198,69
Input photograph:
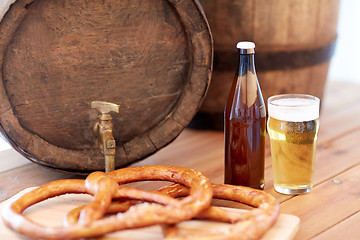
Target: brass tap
103,130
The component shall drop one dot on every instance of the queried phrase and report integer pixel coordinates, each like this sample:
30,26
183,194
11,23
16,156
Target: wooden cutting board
52,211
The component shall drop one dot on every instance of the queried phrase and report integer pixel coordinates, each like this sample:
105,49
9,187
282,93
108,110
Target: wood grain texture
294,43
330,211
340,193
153,58
346,229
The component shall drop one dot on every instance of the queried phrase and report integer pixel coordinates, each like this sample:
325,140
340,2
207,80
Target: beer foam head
294,107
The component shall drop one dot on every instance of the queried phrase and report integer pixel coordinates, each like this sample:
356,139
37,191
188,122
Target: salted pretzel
90,222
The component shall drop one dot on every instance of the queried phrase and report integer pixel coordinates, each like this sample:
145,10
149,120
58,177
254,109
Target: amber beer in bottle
245,123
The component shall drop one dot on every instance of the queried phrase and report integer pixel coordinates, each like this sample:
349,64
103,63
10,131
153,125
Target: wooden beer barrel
152,57
294,43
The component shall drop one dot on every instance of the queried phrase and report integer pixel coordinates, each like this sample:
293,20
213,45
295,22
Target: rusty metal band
270,60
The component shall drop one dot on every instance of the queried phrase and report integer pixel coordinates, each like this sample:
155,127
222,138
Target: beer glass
293,125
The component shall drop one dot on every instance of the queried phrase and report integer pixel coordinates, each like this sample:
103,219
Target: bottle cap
246,47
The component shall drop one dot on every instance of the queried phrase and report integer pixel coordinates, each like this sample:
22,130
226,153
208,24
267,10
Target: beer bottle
245,121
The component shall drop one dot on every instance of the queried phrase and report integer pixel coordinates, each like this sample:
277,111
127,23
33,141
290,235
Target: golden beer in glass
293,125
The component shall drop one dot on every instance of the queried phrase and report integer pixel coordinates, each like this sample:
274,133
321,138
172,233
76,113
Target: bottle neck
246,64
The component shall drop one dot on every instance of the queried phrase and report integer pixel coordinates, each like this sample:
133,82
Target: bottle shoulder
236,110
244,97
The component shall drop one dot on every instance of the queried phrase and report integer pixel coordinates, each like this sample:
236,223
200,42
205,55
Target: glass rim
292,95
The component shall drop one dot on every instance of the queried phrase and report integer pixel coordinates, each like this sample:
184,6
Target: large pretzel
249,225
87,221
138,216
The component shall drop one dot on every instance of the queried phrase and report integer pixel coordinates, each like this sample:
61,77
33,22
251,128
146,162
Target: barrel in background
294,44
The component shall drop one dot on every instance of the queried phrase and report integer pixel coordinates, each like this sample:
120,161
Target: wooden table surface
330,211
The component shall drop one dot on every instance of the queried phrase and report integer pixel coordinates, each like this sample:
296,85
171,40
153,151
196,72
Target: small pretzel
249,225
137,216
